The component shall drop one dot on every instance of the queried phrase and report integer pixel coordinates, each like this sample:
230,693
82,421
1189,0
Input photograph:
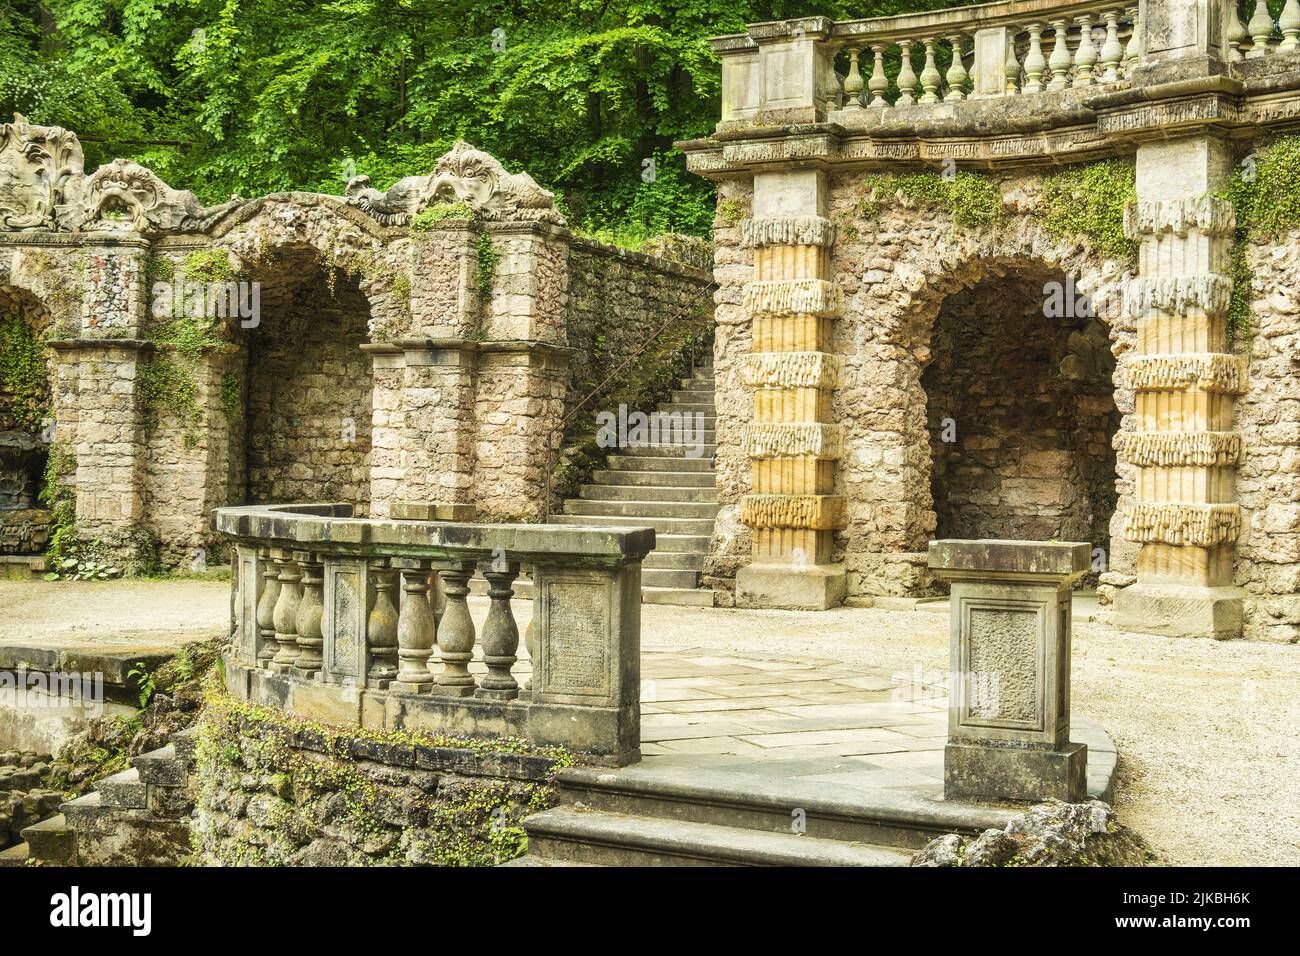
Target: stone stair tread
530,861
16,855
124,790
703,841
681,597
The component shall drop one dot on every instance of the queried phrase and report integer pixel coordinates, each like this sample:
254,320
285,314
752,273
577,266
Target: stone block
432,511
816,587
978,770
1175,611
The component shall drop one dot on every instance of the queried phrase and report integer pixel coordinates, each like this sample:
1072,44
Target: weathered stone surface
1051,834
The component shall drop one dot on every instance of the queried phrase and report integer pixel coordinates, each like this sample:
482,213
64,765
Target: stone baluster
906,76
957,75
455,631
1237,35
500,632
930,78
1289,24
1012,66
286,611
1035,63
266,609
307,619
381,630
1261,30
1085,57
1133,51
853,83
1060,60
415,627
879,81
1111,51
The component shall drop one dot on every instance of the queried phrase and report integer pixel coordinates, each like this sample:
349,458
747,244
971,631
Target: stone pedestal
1009,699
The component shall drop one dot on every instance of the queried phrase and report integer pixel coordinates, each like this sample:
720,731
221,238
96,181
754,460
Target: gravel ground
1209,754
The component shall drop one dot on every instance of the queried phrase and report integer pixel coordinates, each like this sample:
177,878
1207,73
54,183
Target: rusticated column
792,444
1184,513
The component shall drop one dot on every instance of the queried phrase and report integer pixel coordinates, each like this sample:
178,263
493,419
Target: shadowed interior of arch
307,392
1021,411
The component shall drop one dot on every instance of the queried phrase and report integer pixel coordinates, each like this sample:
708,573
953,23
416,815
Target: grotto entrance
26,419
1021,411
306,385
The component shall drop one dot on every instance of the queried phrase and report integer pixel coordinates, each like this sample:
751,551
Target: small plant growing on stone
144,682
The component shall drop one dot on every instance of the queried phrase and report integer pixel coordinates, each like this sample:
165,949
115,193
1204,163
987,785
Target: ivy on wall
1088,201
1265,193
59,496
169,381
973,199
24,376
488,258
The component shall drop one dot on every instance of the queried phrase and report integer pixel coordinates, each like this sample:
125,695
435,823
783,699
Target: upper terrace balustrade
861,69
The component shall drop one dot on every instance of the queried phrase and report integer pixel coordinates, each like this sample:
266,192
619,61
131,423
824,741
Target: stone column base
1179,611
815,588
976,771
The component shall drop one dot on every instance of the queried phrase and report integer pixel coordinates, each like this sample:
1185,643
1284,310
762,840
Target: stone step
659,463
655,479
681,542
52,841
665,578
699,396
675,560
677,526
123,790
883,816
704,409
660,493
185,741
641,508
615,839
16,855
702,452
162,768
683,597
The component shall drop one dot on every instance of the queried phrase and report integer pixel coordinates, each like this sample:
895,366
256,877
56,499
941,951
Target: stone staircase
661,487
139,817
643,816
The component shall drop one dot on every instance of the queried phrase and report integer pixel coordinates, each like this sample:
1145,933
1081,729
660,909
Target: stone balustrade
995,50
1261,36
340,619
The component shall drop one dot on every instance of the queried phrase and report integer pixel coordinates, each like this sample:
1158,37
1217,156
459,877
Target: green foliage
1266,198
144,683
974,200
1089,201
24,378
232,396
168,382
59,496
488,258
441,212
259,96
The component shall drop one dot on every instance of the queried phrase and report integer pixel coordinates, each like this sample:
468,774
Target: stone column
792,443
1009,671
1184,513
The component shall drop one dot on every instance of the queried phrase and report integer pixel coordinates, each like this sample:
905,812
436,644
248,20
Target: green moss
24,376
245,749
232,396
441,212
731,211
974,200
168,382
488,259
1088,202
208,265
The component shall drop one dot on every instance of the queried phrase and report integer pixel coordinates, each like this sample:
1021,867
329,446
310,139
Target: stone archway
26,418
307,384
1021,411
